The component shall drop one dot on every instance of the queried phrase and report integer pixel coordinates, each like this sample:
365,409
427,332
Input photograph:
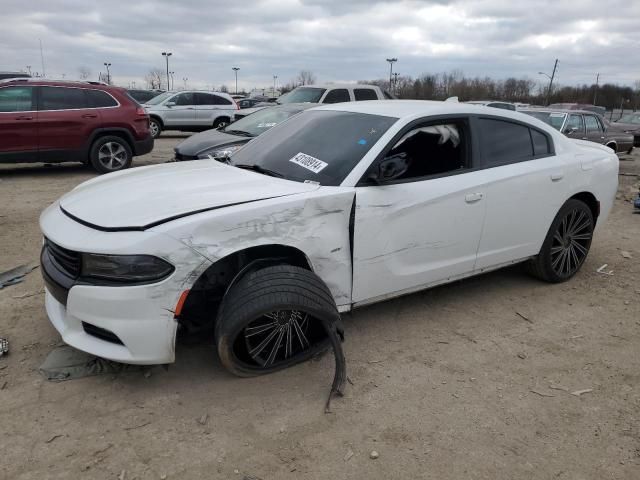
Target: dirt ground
451,383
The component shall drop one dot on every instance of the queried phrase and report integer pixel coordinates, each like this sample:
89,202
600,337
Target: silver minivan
189,111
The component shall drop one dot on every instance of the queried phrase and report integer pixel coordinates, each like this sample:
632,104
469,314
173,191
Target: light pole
391,62
166,55
108,73
184,79
29,69
235,70
395,81
595,93
173,84
550,77
275,77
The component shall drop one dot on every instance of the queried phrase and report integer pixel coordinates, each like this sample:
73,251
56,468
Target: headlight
220,153
125,268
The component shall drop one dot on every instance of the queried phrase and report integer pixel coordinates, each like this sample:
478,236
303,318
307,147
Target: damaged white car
341,206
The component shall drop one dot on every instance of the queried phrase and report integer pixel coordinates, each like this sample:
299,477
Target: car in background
249,102
143,96
579,106
630,123
62,121
189,111
222,143
585,125
333,93
339,207
7,75
494,104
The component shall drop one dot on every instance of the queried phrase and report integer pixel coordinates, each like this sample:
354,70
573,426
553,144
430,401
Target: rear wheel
155,127
221,122
567,243
273,319
110,154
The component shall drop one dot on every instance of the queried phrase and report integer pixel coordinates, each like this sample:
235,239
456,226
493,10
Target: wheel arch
99,133
591,201
612,145
158,118
221,117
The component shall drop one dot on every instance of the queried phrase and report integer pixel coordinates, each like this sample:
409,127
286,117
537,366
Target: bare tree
306,77
224,89
154,78
84,72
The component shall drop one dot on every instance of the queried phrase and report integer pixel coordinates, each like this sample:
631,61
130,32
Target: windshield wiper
241,133
259,169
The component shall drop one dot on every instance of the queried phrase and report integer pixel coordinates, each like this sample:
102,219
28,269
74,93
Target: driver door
423,228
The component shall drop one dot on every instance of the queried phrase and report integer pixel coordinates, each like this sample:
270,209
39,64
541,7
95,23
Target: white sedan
338,207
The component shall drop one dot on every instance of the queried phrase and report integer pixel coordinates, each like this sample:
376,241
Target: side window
575,121
16,99
337,95
365,94
540,143
99,99
428,150
504,142
218,100
183,99
592,124
62,98
204,99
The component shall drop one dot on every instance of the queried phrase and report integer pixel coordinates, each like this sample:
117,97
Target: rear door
183,111
574,127
595,132
526,188
18,124
65,122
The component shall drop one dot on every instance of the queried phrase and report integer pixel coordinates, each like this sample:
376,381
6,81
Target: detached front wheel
273,319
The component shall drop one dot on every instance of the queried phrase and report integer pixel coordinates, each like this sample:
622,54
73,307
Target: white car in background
189,111
338,207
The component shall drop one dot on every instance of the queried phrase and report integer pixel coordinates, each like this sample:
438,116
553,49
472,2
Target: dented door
411,235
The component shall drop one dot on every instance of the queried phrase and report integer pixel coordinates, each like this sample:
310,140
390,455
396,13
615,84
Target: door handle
473,197
24,117
89,115
189,108
555,177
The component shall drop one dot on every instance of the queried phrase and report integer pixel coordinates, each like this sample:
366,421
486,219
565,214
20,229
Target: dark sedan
585,125
630,123
221,144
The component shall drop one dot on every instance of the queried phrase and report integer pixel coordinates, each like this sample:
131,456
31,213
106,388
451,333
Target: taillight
140,111
237,106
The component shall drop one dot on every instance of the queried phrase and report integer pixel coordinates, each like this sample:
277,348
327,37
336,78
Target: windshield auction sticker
309,162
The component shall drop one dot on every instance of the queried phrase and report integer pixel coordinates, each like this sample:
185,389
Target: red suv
51,121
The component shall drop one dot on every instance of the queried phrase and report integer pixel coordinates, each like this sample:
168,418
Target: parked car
249,102
579,106
54,122
8,75
344,206
189,111
630,123
245,112
142,96
222,143
333,93
494,104
585,125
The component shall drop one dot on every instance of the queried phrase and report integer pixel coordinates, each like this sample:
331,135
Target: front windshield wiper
240,133
259,169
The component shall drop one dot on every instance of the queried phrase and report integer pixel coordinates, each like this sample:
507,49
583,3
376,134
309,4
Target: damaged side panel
316,223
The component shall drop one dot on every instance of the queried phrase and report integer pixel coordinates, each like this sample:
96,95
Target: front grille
101,333
67,261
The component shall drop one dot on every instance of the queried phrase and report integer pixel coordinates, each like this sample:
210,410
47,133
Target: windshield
261,121
555,119
630,118
302,95
160,98
318,145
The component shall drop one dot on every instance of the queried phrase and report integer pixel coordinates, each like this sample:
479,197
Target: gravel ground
468,381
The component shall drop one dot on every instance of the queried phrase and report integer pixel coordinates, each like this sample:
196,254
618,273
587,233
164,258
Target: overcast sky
338,40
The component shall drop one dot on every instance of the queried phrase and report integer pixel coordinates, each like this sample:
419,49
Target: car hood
200,142
141,198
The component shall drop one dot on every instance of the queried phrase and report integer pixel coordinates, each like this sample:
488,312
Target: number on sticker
310,163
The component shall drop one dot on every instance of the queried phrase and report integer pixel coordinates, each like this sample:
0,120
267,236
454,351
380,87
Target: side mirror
389,169
170,104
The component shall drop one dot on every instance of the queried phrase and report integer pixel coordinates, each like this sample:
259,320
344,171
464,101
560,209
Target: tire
221,122
155,127
630,150
266,317
613,147
566,245
110,154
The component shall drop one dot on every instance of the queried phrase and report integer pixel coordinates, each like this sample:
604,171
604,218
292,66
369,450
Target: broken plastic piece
4,346
15,275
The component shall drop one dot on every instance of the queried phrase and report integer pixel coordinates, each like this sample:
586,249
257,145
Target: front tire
272,318
221,122
566,245
110,154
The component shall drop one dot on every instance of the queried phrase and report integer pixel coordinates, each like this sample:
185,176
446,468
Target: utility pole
184,79
235,70
41,57
391,62
108,73
553,74
166,55
595,93
275,77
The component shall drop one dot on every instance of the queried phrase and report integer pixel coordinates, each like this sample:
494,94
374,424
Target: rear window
338,95
555,119
62,98
100,99
365,94
540,143
302,95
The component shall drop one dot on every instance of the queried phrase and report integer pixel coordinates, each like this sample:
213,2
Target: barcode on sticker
309,162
